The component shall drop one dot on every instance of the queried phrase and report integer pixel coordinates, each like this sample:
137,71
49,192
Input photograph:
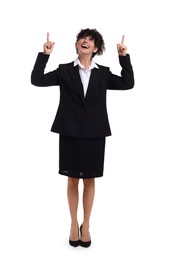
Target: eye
91,38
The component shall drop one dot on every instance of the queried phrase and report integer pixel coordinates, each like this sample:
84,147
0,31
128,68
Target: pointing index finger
47,36
122,41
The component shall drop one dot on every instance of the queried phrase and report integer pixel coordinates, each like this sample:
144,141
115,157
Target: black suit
79,116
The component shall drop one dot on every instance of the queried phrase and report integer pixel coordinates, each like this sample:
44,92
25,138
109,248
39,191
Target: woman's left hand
122,49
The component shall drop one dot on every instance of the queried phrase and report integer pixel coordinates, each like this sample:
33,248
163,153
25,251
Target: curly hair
96,36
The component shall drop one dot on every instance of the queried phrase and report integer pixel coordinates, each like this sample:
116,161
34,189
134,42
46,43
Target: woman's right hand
48,46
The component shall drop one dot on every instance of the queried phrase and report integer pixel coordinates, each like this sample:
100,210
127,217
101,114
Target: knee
73,182
88,182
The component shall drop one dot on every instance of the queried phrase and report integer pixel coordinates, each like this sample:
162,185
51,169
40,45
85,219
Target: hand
122,49
48,46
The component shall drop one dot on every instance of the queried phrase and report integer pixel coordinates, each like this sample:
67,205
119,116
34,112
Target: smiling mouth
85,46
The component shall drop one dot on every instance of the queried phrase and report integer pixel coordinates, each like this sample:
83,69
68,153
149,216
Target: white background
131,213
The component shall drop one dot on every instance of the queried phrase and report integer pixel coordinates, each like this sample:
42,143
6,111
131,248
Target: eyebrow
86,35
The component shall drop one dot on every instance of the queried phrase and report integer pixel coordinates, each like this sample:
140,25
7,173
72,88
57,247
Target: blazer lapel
76,81
93,86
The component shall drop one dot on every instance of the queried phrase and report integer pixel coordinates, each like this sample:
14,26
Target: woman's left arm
126,80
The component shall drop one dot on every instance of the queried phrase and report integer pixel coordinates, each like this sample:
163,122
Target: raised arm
126,80
38,76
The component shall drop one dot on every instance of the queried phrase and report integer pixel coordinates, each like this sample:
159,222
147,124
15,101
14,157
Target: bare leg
73,197
88,198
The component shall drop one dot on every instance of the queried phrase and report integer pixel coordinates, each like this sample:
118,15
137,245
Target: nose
87,38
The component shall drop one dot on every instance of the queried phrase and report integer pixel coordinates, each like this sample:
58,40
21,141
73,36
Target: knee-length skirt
81,158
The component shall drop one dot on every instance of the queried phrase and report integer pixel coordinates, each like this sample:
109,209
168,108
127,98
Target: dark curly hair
96,36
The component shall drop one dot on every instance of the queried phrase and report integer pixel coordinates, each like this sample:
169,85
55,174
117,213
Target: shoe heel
74,243
84,243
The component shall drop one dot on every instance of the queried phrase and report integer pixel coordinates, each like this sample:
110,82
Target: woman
81,119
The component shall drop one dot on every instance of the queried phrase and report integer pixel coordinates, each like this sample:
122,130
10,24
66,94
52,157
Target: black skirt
81,158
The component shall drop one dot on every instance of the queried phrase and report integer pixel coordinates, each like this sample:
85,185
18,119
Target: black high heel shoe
84,243
75,243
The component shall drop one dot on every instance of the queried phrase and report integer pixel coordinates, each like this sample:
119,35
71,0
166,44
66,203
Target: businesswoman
81,119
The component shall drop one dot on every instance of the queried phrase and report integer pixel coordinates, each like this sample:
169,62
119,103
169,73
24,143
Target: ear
95,50
76,47
75,44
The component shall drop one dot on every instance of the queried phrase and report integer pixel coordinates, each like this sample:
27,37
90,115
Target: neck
85,60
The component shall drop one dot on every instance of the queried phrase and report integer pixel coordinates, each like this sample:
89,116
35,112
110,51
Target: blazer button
81,173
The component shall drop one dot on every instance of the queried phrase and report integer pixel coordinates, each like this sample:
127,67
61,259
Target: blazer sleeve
38,76
126,80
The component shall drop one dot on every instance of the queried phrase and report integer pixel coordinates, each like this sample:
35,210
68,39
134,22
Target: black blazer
79,116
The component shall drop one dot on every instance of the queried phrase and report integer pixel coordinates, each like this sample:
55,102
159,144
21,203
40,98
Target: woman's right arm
38,76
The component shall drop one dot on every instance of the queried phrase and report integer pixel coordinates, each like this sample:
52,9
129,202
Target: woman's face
85,45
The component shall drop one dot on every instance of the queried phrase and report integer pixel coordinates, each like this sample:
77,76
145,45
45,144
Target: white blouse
85,74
